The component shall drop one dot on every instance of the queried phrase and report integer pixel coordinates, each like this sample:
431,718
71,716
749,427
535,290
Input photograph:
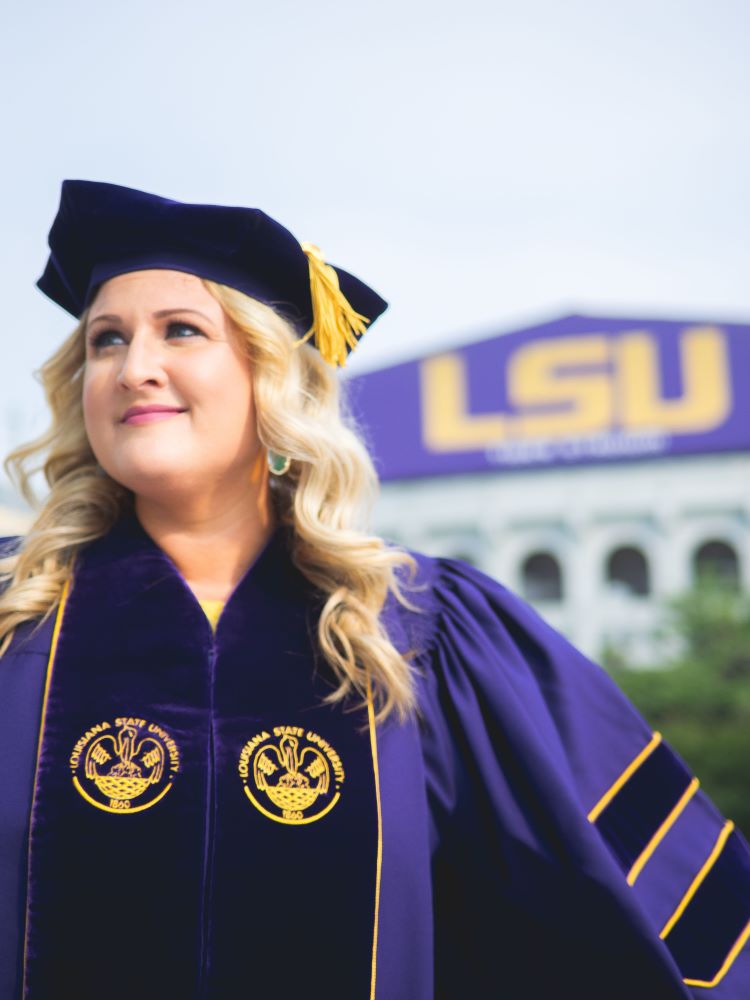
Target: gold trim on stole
50,665
379,862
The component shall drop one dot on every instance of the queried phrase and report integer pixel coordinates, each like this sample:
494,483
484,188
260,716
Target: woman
253,749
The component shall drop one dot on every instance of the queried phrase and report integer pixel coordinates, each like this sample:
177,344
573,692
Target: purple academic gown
197,823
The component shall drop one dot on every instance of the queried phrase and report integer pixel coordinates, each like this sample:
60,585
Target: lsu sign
581,389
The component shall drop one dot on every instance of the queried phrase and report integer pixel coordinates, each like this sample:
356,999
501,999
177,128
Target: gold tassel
336,323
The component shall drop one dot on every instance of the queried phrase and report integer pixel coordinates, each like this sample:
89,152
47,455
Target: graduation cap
102,230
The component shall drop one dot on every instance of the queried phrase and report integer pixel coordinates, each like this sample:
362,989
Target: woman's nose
142,364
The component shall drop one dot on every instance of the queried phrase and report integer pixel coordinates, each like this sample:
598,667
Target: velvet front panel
203,826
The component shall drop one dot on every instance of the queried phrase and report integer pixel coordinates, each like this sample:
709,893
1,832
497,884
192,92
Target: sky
483,165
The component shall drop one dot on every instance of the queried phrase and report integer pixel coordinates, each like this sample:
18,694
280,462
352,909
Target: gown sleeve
574,852
23,670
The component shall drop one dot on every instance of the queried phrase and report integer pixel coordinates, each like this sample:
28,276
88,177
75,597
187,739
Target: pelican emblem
291,775
125,767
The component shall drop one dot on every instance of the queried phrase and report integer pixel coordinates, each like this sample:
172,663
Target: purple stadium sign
577,390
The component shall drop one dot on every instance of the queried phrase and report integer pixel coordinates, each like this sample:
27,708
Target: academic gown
184,817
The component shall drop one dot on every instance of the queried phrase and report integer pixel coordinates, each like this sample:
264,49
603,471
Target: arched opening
627,571
717,560
541,577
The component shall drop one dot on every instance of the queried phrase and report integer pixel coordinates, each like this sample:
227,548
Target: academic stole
203,825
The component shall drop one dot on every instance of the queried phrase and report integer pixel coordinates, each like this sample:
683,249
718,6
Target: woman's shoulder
484,656
451,597
489,627
439,576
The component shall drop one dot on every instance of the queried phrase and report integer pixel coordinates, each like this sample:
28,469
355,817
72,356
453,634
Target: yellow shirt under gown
212,610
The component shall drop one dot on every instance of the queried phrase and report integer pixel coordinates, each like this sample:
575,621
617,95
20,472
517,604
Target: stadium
596,465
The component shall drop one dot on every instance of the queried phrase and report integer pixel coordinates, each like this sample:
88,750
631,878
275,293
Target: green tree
700,698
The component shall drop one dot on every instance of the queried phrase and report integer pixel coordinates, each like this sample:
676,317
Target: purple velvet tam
102,230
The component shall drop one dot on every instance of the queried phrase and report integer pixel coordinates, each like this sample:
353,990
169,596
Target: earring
278,464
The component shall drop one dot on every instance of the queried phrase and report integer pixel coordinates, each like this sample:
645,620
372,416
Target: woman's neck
211,545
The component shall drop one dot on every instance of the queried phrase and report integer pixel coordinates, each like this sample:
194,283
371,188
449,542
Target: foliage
700,699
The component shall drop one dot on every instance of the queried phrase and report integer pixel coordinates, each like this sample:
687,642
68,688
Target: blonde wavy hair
326,497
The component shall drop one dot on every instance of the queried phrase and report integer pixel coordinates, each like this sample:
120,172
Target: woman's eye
178,330
105,338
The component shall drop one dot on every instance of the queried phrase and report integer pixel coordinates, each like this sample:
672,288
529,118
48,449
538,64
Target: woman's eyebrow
113,317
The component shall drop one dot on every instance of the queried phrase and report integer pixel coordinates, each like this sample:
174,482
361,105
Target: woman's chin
158,479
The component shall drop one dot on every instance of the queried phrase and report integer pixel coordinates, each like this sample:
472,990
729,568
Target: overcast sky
483,164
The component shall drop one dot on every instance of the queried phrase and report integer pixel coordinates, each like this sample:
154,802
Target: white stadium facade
595,465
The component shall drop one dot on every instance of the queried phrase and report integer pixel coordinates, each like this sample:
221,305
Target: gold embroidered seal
291,775
126,766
